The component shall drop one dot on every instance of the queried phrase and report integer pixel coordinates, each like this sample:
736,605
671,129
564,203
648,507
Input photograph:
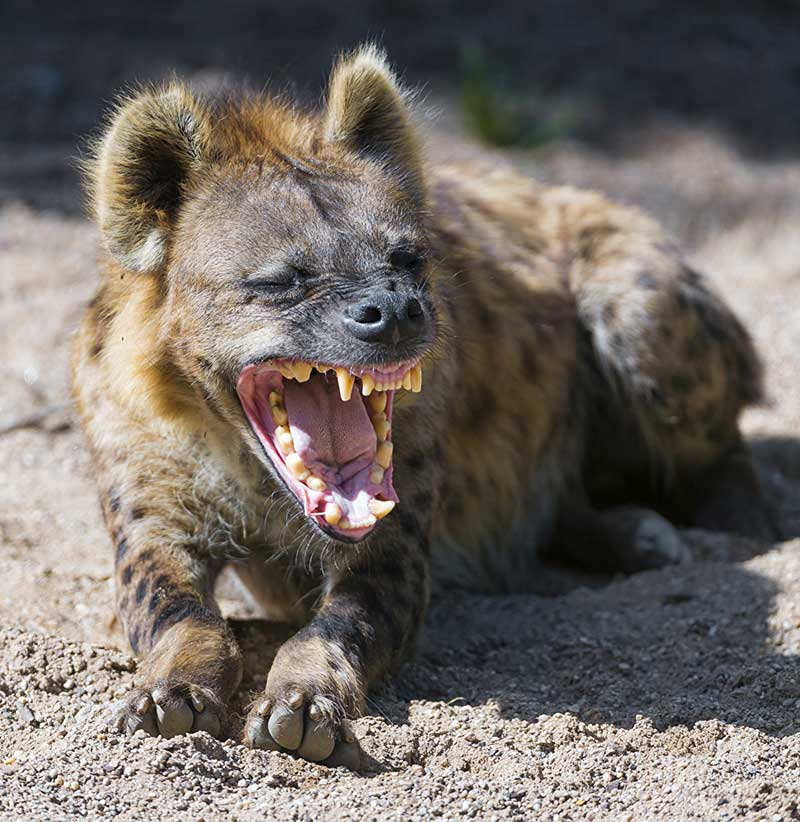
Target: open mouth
327,430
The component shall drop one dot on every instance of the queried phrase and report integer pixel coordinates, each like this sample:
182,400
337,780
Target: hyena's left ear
157,140
367,112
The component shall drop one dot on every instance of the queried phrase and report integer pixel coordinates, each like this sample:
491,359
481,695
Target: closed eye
277,280
411,261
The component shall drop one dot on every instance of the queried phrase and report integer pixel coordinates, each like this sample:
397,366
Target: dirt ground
667,695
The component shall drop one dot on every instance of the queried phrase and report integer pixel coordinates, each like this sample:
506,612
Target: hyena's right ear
155,142
367,112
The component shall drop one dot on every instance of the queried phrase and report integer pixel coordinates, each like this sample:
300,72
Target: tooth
346,525
377,401
381,426
333,513
383,456
286,371
316,483
407,380
275,398
376,475
367,385
416,379
279,415
346,381
381,507
302,371
297,466
284,437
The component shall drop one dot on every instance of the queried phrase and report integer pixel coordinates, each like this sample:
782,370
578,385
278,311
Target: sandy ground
667,695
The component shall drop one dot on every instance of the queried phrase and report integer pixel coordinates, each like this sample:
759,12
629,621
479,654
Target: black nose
386,317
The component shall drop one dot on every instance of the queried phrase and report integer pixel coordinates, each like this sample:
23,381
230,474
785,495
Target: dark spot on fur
122,549
113,501
179,609
695,347
137,513
145,555
126,575
682,383
410,524
415,460
609,313
96,349
133,638
141,590
647,282
421,500
485,318
530,365
204,363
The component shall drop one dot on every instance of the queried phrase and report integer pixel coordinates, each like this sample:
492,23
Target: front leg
190,664
367,622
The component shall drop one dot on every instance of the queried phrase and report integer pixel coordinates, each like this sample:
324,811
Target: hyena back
276,285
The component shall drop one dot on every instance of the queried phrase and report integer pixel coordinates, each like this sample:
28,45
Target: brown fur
577,362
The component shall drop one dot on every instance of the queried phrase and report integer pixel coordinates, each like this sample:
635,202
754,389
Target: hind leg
670,370
623,538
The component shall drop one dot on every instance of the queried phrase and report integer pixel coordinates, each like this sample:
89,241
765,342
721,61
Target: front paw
304,708
168,708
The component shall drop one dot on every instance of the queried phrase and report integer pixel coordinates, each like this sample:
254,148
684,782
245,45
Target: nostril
414,309
366,314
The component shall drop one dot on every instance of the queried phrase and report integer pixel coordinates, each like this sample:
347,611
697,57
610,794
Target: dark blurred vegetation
521,73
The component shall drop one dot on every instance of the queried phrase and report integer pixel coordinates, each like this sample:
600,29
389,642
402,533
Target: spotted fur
577,364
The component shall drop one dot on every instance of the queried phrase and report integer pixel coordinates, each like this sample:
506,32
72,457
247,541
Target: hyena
322,359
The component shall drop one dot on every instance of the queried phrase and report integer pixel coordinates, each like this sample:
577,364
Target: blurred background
524,74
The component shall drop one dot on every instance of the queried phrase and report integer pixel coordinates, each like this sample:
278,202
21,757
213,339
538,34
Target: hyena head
291,281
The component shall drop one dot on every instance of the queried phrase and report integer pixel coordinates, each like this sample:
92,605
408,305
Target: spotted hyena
334,365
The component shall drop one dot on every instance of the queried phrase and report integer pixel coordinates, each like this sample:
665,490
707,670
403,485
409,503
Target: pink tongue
333,438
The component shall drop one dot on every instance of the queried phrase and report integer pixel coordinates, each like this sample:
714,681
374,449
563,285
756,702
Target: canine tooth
416,379
297,466
275,399
302,371
333,513
279,415
284,437
316,483
367,385
407,380
345,380
377,401
381,426
383,456
381,507
376,475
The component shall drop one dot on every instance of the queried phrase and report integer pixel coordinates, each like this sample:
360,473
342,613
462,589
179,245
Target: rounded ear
367,112
155,141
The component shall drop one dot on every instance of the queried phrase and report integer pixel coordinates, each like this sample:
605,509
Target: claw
286,727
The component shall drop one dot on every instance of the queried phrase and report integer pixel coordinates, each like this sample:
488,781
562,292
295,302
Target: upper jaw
388,377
